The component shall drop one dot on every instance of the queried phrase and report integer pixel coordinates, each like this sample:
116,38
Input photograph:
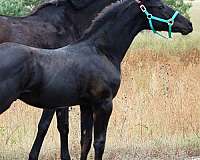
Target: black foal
52,25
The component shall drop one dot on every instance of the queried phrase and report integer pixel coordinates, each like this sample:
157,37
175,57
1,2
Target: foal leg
102,114
63,128
43,126
86,130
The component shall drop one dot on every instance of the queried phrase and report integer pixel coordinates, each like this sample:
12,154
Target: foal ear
139,1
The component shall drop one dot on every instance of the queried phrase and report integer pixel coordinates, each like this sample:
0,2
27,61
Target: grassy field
156,112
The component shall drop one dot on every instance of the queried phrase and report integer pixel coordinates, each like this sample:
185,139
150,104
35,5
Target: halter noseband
150,17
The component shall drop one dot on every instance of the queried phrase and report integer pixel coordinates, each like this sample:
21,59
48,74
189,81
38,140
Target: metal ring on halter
170,22
149,16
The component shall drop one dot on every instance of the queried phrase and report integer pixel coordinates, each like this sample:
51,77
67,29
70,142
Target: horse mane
46,4
56,3
104,15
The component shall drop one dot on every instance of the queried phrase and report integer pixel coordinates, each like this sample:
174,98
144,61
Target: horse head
161,17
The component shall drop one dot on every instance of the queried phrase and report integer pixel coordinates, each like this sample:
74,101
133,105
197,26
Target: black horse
52,25
85,73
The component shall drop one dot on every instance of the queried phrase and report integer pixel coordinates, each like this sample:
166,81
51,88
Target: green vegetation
22,7
180,5
17,7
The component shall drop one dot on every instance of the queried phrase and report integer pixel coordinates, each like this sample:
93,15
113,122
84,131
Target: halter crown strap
150,17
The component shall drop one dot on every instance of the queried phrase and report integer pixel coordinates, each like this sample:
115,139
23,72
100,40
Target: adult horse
52,25
85,73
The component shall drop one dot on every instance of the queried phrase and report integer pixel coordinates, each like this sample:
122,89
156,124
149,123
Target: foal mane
107,13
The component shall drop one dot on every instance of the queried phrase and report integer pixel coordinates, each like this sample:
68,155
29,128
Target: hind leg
43,127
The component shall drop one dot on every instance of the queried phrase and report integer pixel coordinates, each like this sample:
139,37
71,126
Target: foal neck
113,31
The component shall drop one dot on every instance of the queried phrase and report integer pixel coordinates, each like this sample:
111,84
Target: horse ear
140,1
78,4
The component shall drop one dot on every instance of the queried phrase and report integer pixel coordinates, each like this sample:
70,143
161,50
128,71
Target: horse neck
52,13
63,12
82,18
114,37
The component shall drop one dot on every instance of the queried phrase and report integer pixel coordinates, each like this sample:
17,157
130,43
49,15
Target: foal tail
12,72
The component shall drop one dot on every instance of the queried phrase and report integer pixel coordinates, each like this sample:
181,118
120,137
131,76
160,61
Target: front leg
86,130
43,126
102,112
63,128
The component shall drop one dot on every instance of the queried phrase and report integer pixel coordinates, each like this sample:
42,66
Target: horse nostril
190,24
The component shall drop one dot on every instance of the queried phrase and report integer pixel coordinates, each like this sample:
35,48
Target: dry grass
156,113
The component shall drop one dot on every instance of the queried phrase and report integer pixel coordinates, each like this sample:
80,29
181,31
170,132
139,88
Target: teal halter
150,17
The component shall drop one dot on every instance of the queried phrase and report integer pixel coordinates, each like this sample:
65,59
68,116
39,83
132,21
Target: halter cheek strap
150,17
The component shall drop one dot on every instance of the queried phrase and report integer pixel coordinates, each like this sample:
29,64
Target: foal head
156,8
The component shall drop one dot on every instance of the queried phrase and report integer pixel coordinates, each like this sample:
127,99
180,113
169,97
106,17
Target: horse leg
43,126
102,114
86,130
63,128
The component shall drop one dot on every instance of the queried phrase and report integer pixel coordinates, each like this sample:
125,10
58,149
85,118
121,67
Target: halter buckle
143,8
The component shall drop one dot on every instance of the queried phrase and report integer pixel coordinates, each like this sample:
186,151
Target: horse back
31,32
